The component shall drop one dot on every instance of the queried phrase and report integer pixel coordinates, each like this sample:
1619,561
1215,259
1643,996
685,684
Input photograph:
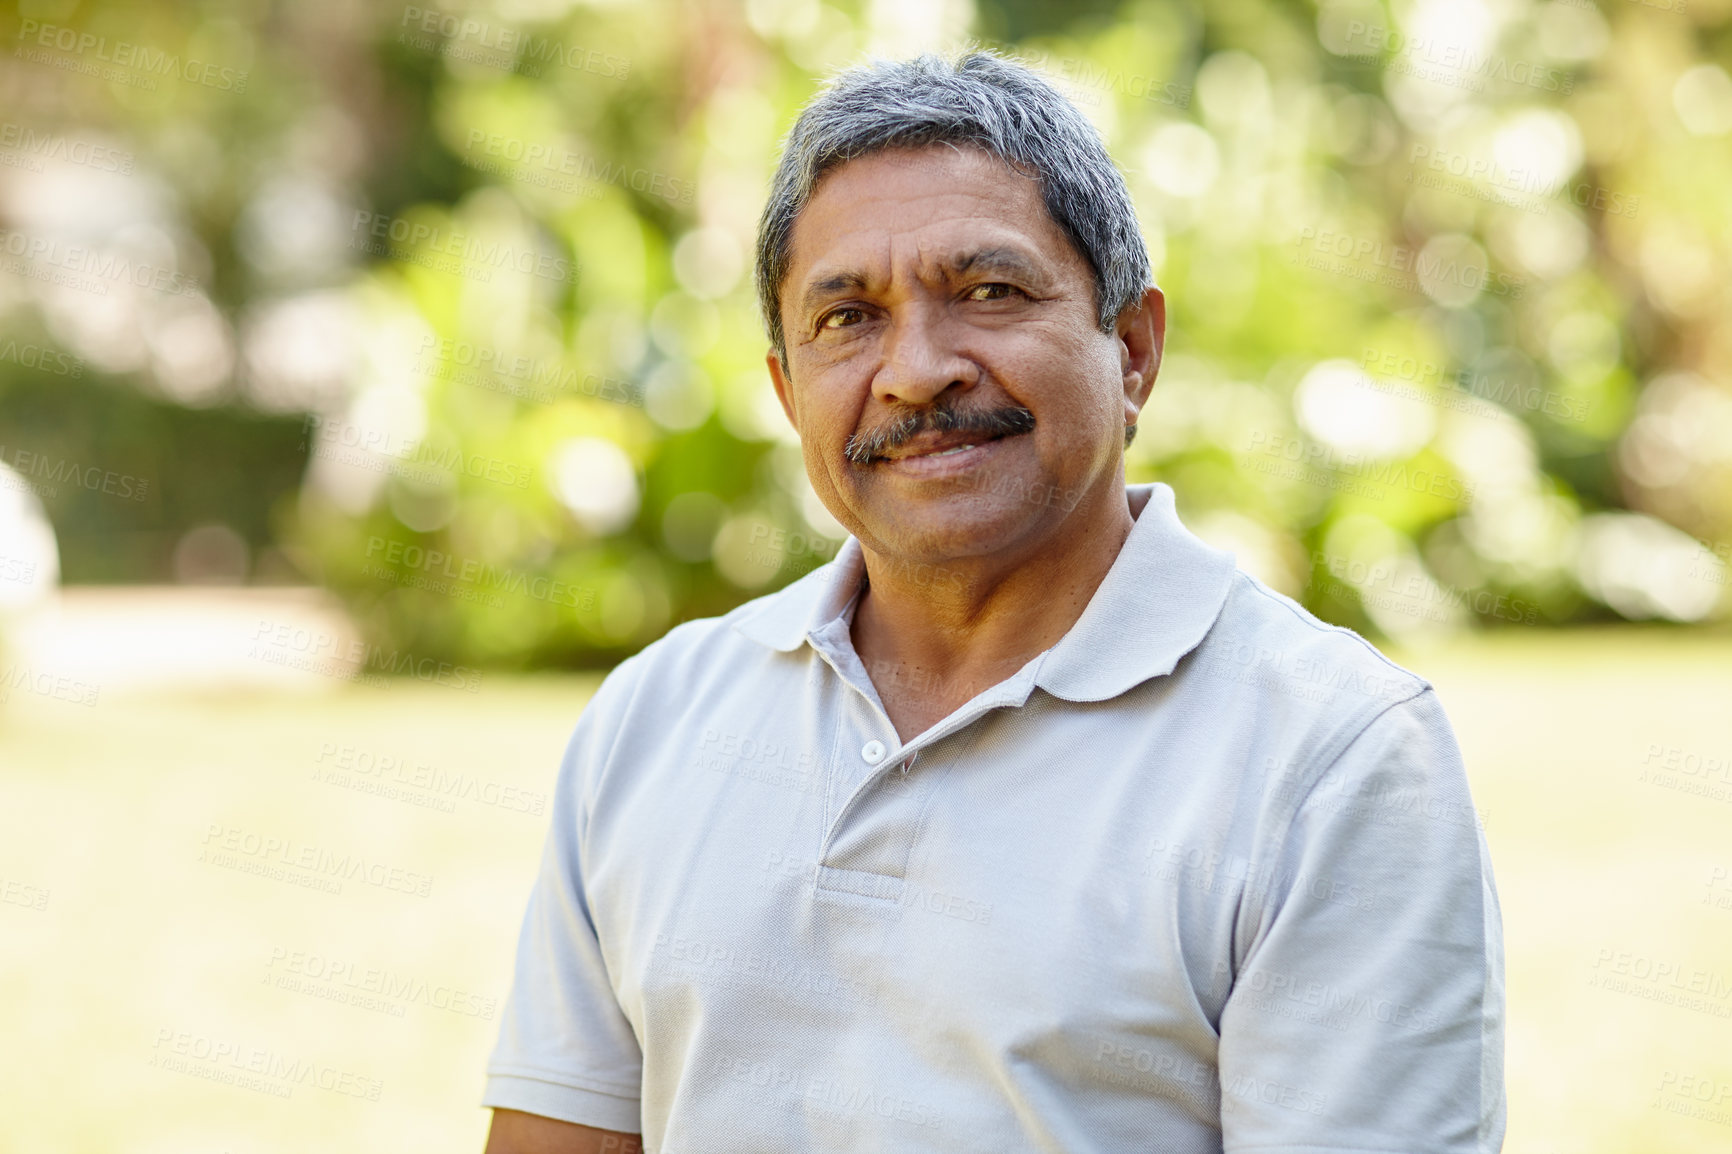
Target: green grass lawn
166,1001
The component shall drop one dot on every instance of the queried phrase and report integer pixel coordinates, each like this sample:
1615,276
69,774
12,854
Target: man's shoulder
725,645
1265,639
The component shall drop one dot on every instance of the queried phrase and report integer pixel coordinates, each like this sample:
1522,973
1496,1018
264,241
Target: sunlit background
373,376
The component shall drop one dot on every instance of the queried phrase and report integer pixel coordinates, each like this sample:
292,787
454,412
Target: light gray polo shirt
1203,876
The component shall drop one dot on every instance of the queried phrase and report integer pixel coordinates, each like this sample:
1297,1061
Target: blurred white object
130,637
1642,568
29,555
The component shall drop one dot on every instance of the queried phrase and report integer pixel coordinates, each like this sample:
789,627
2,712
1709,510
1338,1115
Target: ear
784,390
1141,332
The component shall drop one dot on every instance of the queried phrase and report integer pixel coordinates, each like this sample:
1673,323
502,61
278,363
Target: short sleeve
1366,1013
565,1049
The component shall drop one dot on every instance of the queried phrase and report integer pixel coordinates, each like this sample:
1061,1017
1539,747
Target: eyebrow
1008,262
821,290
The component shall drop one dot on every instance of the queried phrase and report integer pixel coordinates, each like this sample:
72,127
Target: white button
873,752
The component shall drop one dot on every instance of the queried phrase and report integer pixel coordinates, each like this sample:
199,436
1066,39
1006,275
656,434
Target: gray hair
992,102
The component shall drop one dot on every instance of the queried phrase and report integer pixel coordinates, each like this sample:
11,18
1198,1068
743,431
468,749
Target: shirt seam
1274,854
1325,1149
832,774
1312,623
563,1080
933,785
587,797
1324,760
1335,759
594,782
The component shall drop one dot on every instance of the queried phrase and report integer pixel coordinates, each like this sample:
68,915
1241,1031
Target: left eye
990,292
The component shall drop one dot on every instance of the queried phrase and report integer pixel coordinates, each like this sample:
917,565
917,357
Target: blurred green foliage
123,475
1450,341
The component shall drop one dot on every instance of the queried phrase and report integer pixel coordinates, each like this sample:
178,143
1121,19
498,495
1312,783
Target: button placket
850,799
873,753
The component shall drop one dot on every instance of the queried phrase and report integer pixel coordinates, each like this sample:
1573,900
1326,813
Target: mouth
929,434
936,445
930,455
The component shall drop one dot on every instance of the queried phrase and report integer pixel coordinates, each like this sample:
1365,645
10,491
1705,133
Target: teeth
947,452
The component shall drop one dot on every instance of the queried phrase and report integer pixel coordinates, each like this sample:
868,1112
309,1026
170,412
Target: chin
959,525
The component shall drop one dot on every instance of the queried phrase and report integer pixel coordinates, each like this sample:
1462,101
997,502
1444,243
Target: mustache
1007,421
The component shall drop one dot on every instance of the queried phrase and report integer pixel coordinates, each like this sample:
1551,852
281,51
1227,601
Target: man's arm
566,1073
514,1132
1367,1012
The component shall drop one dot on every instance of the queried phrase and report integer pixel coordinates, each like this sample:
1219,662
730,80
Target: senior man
1028,823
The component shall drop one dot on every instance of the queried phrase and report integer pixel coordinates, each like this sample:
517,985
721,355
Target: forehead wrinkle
953,265
988,254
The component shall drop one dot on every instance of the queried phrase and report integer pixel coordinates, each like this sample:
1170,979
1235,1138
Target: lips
937,444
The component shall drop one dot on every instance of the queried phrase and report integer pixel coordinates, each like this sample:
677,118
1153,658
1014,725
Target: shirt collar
1163,592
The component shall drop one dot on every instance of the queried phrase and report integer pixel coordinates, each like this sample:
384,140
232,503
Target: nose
921,360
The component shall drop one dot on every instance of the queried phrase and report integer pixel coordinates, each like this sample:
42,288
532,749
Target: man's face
931,303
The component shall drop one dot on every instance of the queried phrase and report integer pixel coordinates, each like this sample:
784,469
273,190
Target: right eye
835,319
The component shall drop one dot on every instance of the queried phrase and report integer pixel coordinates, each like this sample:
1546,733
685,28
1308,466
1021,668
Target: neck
970,623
